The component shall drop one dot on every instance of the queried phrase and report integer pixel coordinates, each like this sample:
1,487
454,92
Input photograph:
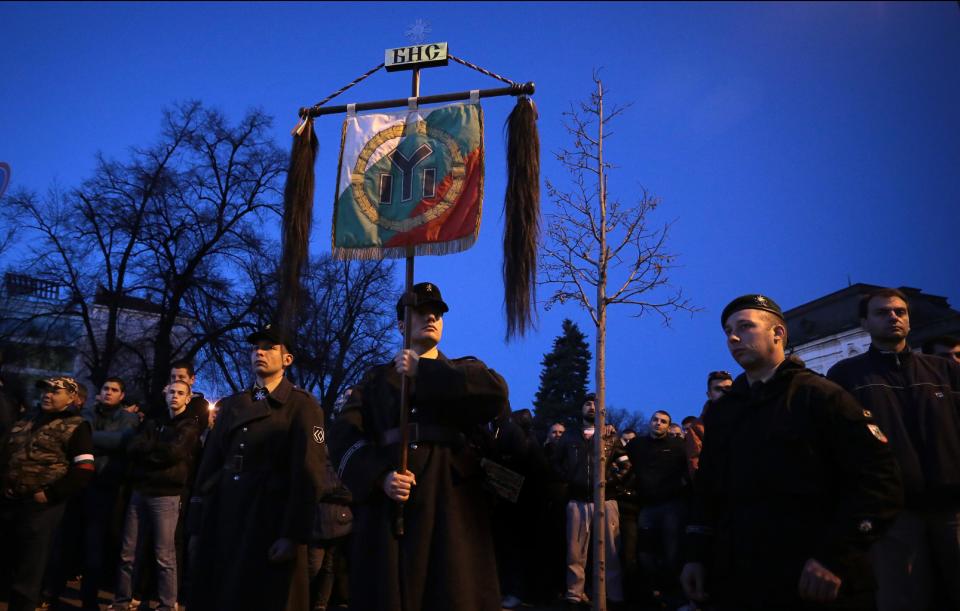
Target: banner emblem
412,180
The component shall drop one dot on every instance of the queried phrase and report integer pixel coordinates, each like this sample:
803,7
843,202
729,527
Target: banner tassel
297,220
521,233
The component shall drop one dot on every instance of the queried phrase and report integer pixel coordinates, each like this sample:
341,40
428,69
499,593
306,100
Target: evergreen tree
563,381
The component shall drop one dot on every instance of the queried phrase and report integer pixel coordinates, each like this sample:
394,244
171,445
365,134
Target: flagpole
405,380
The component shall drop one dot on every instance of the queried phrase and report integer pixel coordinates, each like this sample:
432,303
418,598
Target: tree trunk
600,457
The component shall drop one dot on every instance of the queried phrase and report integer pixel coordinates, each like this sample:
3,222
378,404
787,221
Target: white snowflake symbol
417,32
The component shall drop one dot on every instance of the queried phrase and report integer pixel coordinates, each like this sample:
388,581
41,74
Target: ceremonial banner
409,179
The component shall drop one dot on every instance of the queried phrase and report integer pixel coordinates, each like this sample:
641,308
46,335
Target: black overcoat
791,469
262,472
445,560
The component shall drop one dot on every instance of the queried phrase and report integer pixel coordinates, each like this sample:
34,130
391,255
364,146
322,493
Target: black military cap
751,302
424,293
271,333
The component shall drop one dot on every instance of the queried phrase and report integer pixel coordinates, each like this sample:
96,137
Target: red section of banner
458,222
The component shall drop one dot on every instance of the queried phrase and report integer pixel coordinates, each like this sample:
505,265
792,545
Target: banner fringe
400,252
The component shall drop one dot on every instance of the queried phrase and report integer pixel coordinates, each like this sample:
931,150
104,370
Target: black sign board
417,56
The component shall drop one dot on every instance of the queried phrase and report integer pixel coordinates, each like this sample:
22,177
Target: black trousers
26,529
103,512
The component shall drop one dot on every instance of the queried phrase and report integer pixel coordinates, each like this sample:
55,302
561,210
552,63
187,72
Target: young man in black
161,457
795,482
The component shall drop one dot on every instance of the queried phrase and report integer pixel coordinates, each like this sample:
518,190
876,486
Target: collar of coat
742,390
888,358
248,410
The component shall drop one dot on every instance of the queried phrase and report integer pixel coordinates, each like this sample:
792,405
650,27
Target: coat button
236,477
243,445
244,429
413,446
413,410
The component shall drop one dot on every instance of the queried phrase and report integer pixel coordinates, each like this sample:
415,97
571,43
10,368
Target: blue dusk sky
795,146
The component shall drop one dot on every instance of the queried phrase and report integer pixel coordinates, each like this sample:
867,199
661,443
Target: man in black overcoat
795,482
262,472
445,559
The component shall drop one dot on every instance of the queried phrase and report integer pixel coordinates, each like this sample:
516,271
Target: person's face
182,375
269,359
556,432
627,438
426,326
110,394
718,388
948,352
177,397
589,410
659,423
57,399
754,339
674,430
887,319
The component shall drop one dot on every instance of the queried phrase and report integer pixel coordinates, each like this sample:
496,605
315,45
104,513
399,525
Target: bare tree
347,324
594,242
205,227
225,360
159,241
623,419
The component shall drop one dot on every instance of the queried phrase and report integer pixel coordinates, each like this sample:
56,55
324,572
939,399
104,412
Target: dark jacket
112,429
574,462
659,468
260,479
162,454
445,560
791,469
915,400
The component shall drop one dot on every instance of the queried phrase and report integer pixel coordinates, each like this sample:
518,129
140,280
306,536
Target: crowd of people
789,490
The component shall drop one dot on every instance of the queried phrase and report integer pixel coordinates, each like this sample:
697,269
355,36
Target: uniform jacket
259,481
791,469
445,560
915,400
162,454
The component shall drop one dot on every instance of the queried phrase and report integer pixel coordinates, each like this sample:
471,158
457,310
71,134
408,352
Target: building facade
45,333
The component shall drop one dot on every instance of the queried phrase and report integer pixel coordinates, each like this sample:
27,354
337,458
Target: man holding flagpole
445,558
